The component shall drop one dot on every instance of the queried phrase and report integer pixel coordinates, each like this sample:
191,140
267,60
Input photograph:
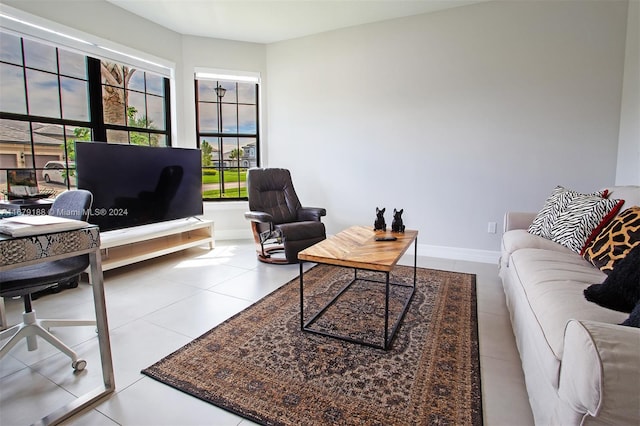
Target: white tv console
122,247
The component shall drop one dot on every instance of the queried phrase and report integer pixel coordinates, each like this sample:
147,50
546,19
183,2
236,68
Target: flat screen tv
138,185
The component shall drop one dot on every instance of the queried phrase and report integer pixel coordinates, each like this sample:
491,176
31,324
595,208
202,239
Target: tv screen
136,185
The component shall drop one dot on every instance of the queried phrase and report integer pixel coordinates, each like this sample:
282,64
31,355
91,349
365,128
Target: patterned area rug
260,365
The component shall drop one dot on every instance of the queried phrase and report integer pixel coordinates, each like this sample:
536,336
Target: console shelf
126,246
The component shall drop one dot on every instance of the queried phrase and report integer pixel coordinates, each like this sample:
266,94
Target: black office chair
278,220
24,281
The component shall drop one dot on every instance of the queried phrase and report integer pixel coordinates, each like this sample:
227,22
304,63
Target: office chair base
32,327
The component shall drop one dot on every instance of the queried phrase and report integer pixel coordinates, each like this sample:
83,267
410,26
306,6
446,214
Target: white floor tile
496,337
151,403
26,397
504,398
206,310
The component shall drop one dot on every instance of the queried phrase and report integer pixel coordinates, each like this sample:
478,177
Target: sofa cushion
553,206
621,289
615,240
582,216
554,282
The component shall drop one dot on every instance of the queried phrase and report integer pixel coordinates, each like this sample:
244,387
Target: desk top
356,247
33,248
26,202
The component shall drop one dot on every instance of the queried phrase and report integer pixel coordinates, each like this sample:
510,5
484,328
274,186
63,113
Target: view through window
227,129
51,97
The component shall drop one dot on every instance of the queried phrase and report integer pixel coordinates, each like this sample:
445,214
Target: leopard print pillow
615,240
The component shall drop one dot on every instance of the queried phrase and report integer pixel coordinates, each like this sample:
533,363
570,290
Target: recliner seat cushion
296,231
300,235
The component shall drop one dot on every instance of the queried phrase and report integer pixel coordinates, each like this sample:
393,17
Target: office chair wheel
79,365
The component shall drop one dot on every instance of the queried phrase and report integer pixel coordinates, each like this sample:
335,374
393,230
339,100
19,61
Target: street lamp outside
220,92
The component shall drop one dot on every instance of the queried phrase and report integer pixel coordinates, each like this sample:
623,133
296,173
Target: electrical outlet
491,228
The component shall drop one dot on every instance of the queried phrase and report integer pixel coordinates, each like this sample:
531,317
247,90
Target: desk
24,251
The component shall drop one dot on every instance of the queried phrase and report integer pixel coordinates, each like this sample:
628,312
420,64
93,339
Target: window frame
226,78
102,128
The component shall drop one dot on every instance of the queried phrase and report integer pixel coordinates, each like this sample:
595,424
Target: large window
51,97
227,128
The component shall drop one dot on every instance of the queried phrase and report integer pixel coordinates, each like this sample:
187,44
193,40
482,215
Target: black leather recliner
278,220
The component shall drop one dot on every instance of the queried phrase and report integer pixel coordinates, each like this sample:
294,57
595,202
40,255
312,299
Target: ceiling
268,21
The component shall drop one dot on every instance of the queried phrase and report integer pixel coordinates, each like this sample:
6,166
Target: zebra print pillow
553,206
582,217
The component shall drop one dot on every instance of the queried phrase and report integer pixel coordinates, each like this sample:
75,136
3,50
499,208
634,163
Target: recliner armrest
258,217
311,213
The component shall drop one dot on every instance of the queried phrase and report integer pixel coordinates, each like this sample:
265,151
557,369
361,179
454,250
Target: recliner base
264,255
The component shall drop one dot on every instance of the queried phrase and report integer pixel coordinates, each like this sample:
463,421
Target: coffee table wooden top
356,247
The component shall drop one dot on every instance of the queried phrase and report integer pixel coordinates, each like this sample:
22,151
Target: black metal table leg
386,311
388,334
301,297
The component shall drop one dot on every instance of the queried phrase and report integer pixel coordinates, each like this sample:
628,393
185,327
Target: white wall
201,52
455,116
628,170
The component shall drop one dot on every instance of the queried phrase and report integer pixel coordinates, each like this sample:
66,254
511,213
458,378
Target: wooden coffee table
357,248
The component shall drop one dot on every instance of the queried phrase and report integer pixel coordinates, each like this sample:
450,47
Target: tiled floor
157,306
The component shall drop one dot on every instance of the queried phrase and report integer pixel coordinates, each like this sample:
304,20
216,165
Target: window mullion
26,101
167,111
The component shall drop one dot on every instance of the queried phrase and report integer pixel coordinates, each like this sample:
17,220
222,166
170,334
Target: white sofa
580,366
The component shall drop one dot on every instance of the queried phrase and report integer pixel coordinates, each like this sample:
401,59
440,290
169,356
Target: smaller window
227,128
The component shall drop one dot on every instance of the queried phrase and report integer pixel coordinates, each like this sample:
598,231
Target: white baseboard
233,234
458,253
441,252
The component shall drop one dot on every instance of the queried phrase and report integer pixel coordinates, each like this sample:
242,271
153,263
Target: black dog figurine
397,225
380,224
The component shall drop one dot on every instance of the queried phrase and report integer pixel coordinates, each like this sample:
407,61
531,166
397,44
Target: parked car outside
55,171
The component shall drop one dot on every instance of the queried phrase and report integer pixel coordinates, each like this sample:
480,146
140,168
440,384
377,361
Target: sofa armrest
517,220
600,373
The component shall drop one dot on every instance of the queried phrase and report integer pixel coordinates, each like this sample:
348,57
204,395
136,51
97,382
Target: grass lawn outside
235,183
